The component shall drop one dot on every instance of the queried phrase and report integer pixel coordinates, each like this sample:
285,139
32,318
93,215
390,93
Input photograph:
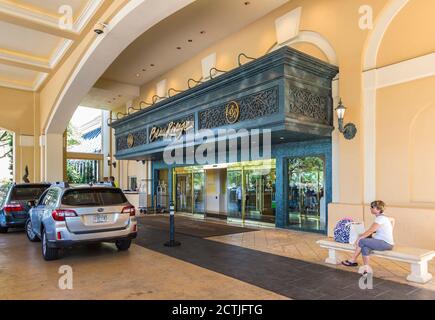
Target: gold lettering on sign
232,112
173,129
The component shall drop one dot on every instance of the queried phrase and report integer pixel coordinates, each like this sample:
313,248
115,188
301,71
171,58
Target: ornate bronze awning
286,91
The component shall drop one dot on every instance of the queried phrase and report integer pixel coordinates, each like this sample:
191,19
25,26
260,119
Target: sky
83,115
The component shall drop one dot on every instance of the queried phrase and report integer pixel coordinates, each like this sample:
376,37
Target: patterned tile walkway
285,262
302,246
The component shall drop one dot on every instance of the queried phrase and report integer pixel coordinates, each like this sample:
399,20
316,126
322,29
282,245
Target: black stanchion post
172,242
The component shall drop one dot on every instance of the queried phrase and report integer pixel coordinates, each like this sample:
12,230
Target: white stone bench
417,258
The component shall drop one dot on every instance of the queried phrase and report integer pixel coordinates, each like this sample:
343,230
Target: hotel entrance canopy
285,91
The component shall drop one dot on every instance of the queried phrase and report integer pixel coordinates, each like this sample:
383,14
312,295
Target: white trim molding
373,80
319,41
370,80
27,141
376,36
129,23
409,70
369,142
335,144
287,26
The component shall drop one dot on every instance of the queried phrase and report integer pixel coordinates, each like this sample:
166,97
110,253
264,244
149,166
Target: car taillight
13,207
130,209
60,215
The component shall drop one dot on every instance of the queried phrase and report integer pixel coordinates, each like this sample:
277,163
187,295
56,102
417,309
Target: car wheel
3,229
48,253
123,245
31,235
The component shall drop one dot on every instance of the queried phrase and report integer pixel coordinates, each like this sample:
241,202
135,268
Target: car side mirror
31,203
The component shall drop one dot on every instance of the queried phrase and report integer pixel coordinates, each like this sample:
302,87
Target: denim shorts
367,245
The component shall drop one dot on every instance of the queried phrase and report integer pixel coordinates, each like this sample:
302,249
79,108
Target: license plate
100,218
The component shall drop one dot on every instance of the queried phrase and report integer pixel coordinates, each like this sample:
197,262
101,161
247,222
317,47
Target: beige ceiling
158,46
32,43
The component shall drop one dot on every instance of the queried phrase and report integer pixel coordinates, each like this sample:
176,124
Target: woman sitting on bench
378,237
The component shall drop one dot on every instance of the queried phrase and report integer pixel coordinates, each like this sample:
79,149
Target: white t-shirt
385,230
239,193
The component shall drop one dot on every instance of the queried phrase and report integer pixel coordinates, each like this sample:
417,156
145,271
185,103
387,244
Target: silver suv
65,216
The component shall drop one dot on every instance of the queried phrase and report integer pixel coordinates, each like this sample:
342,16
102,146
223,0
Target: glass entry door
184,193
260,195
198,193
306,193
251,190
234,193
189,190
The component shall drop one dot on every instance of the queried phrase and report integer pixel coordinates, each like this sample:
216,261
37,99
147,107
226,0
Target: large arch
370,82
128,24
375,38
319,41
135,18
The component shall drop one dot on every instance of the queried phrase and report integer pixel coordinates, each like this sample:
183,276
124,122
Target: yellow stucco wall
337,21
404,127
410,35
18,110
406,143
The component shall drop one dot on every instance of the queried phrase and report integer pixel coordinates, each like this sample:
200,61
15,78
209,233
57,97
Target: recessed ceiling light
152,65
144,70
137,75
247,3
119,95
202,32
190,40
282,138
178,48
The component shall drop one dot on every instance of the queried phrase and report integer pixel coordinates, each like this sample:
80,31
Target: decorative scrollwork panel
309,104
139,138
254,106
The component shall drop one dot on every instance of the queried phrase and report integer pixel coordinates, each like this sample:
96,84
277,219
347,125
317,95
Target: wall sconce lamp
109,161
349,130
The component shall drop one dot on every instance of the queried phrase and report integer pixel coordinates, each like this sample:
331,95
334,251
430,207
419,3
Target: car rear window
93,197
31,192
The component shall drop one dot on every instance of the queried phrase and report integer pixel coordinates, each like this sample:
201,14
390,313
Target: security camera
100,27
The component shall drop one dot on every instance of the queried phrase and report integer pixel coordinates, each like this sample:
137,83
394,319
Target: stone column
53,157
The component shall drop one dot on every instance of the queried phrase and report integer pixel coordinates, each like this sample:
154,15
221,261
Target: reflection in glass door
189,191
260,194
234,193
184,193
198,193
306,195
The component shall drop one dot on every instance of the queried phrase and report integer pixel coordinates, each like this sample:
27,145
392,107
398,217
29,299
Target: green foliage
6,147
73,175
82,171
307,171
73,138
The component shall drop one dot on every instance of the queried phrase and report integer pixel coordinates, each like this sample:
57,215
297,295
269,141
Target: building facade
285,97
383,49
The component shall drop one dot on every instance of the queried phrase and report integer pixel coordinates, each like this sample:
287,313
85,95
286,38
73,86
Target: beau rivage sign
173,129
178,128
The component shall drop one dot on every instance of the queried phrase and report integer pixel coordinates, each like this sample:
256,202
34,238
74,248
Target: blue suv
14,203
